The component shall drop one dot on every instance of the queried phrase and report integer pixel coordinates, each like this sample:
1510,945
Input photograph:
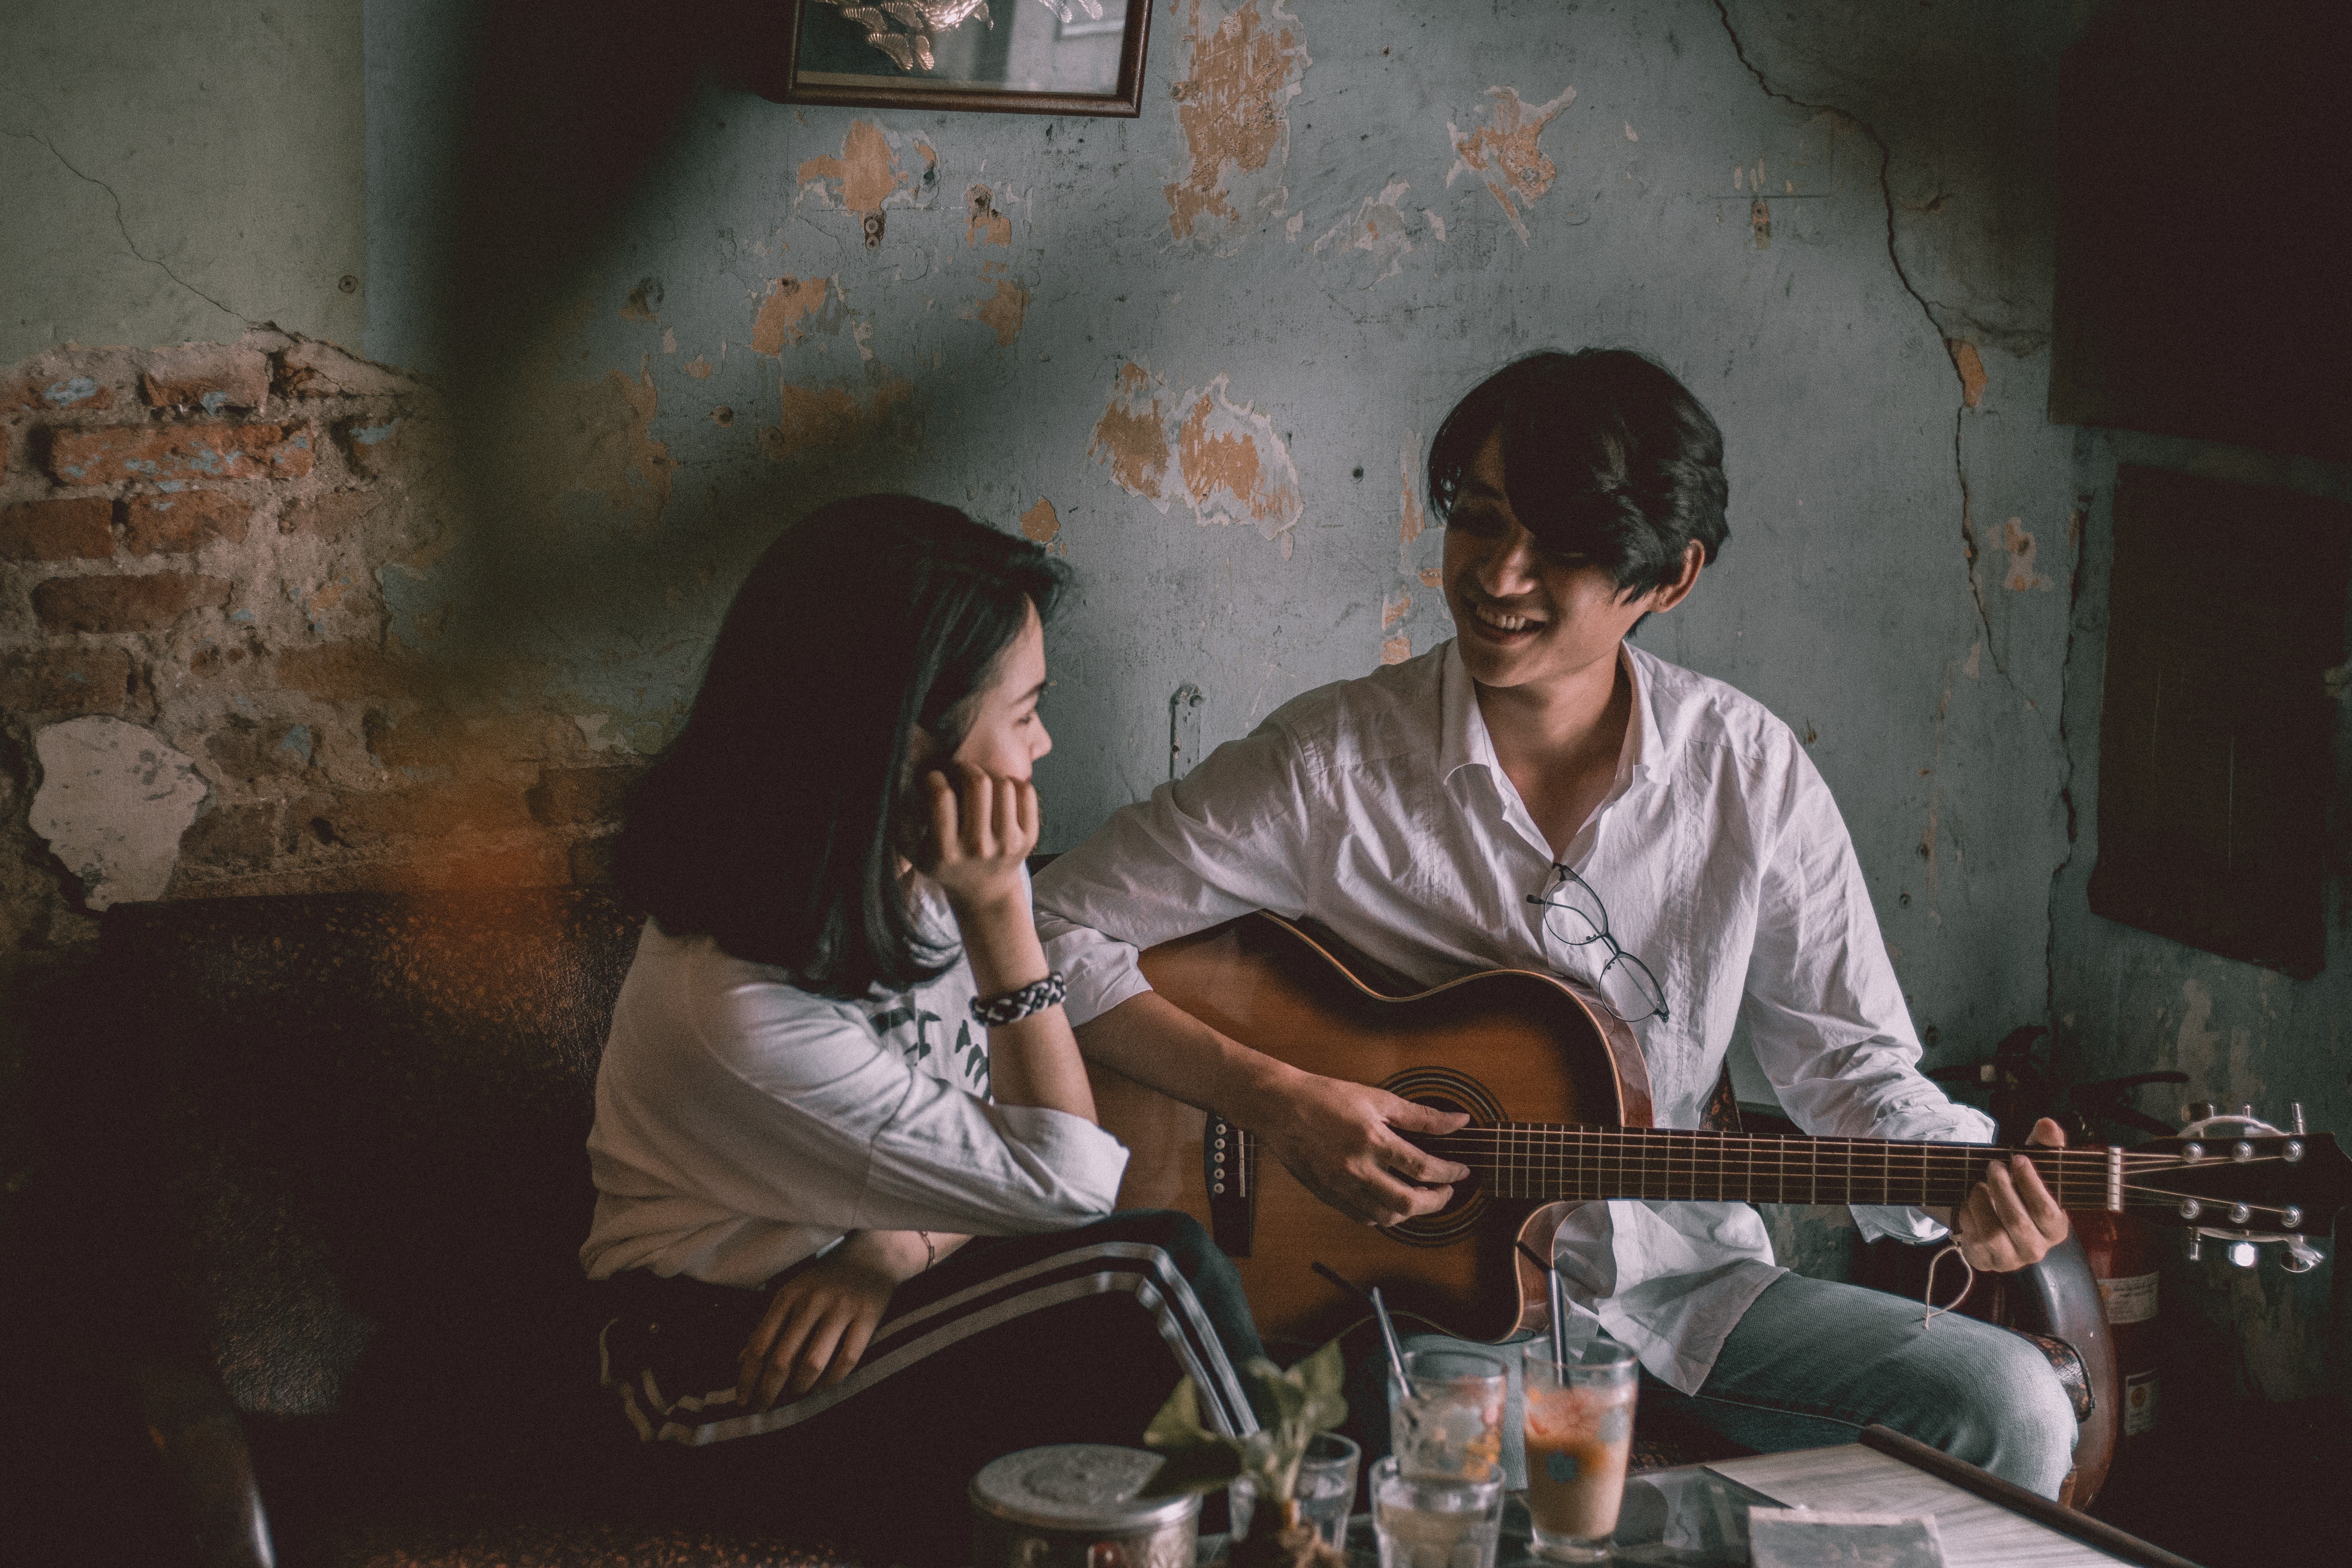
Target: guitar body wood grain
1515,1046
1504,1045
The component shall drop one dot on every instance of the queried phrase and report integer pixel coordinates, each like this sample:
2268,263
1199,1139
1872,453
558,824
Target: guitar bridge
1228,1163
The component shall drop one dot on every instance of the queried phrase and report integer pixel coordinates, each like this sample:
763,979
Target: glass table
1696,1516
1685,1518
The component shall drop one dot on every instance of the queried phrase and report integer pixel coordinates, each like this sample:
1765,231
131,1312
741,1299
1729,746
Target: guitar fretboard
1535,1160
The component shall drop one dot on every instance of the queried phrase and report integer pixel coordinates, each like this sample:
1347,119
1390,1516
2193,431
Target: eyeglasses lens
1572,914
1631,988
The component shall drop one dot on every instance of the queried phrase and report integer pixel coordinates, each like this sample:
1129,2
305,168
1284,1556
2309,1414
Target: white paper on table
1809,1537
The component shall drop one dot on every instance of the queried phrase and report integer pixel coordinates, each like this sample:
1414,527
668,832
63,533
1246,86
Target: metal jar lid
1076,1486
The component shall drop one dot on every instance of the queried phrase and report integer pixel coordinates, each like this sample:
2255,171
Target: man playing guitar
1538,793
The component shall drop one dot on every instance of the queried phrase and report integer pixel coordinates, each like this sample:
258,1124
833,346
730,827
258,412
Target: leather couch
327,1154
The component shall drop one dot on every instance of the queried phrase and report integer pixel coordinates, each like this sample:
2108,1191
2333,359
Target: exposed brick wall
191,542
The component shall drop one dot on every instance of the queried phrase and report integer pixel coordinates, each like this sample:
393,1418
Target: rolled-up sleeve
1231,837
1824,1008
875,1144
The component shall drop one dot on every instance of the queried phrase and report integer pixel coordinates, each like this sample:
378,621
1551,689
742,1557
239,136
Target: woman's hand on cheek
983,829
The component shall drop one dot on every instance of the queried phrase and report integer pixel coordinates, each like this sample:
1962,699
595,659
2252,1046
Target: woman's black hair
768,825
1605,457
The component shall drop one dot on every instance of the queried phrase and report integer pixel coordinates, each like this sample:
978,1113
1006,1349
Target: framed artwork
1005,56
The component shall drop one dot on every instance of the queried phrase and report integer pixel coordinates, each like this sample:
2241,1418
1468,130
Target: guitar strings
1561,1160
1862,1160
1592,1130
1506,1134
1553,1156
1795,1155
1796,1150
1802,1151
1935,1188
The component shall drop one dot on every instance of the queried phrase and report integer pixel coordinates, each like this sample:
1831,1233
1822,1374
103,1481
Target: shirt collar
1645,745
1463,739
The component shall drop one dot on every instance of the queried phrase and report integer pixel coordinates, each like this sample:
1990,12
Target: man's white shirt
1378,808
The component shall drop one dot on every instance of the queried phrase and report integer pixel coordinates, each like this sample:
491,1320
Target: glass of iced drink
1326,1489
1447,1419
1436,1521
1580,1432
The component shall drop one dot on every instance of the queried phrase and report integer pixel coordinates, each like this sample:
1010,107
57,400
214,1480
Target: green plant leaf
1322,1375
1178,1424
1283,1391
1197,1468
1323,1372
1325,1412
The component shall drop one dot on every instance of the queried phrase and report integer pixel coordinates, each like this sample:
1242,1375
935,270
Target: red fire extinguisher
2123,1260
2121,1247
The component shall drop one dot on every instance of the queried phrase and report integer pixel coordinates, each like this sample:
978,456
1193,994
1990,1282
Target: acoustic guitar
1559,1100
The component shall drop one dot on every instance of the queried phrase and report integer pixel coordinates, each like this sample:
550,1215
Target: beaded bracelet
1015,1005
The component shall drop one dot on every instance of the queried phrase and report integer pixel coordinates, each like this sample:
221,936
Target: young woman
839,1058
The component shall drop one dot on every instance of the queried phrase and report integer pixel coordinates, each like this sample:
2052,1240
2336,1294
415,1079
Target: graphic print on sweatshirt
922,1037
931,1025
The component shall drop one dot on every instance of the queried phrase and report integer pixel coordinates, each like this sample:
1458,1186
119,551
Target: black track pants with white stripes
1077,1337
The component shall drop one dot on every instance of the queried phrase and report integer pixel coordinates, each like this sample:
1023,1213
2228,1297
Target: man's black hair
770,824
1606,457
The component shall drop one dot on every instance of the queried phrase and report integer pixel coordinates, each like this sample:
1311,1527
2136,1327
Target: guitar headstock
2243,1182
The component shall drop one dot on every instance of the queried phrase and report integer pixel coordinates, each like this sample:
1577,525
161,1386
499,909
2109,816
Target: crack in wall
124,228
1968,542
1903,277
2078,528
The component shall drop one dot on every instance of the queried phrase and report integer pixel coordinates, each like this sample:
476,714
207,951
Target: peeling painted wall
1201,355
2123,1000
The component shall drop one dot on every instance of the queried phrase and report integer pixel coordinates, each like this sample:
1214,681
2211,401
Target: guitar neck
1550,1162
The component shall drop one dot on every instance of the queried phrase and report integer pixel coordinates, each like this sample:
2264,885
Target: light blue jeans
1812,1361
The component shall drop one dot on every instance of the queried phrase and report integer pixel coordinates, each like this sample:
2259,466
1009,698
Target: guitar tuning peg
2195,1248
2246,1112
2198,1110
2297,1109
2301,1257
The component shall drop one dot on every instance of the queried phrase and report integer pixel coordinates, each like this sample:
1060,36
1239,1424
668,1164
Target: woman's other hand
821,1319
983,828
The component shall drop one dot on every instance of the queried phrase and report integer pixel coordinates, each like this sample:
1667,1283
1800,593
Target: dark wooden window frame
2217,755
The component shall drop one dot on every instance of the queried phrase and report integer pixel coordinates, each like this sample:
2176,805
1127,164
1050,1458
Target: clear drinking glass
1436,1521
1327,1489
1580,1432
1448,1418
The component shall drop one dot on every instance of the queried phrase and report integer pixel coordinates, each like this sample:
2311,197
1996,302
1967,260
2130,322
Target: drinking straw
1387,1338
1559,1301
1380,1313
1558,1319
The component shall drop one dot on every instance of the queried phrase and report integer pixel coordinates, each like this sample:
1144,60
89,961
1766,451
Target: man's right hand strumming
1343,1140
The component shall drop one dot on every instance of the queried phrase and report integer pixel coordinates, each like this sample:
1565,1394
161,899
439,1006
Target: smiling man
1496,800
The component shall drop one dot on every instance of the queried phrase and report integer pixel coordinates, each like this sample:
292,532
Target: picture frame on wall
999,56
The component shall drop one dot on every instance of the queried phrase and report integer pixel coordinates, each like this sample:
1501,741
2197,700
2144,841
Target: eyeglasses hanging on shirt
1574,916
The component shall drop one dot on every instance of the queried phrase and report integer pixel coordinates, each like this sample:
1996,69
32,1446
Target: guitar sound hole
1443,1089
1465,1193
